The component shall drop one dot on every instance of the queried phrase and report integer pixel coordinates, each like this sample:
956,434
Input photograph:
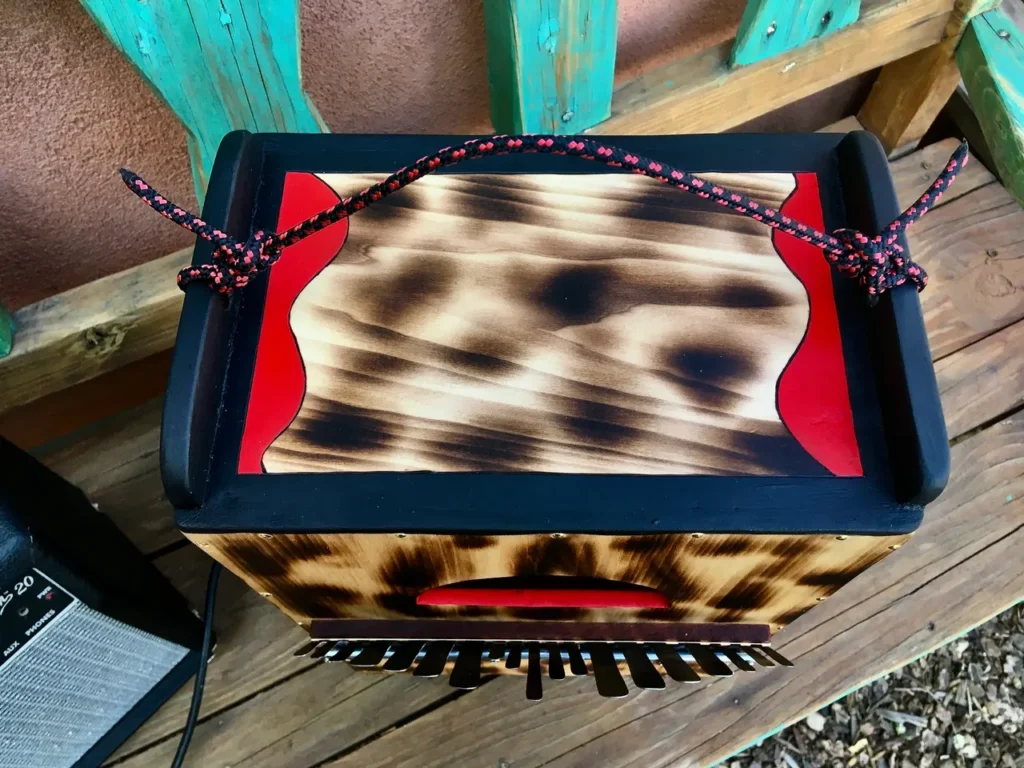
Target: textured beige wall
72,112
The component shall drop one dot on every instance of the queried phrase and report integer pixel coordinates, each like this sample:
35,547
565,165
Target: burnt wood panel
713,578
553,323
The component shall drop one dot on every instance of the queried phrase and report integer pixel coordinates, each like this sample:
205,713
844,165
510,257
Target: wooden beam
701,93
97,327
909,93
550,63
991,59
6,332
770,27
220,65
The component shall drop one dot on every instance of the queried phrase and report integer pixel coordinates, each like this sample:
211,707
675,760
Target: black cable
204,658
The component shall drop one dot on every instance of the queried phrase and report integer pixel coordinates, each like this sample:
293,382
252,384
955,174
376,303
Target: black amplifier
93,639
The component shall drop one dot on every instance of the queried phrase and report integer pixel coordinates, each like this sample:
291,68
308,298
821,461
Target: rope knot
878,263
234,264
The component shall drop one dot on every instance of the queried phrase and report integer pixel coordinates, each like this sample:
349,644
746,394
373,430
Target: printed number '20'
24,585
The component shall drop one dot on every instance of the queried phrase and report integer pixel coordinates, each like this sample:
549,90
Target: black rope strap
878,263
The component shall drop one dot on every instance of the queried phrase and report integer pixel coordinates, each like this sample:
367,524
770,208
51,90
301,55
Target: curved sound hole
544,592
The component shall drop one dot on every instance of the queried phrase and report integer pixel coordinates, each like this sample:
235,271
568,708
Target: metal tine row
677,660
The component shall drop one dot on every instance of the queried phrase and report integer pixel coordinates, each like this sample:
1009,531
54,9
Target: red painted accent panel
812,398
279,379
543,598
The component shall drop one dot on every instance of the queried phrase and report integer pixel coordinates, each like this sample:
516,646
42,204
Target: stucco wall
72,112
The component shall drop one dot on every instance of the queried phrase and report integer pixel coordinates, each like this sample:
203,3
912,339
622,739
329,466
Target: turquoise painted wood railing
6,332
770,27
551,63
991,60
220,65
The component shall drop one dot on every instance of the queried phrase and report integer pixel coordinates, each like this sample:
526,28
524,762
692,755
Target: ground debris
962,706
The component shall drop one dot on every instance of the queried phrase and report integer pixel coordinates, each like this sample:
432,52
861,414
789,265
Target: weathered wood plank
97,327
255,644
117,464
912,174
770,27
983,380
305,720
701,93
908,94
895,611
991,59
974,255
220,65
550,63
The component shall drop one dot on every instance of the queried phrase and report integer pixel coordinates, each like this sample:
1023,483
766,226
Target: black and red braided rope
879,263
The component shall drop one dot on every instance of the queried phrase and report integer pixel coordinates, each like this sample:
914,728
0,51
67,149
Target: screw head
894,547
826,18
265,535
557,535
1003,34
696,535
842,537
264,594
771,30
401,535
568,115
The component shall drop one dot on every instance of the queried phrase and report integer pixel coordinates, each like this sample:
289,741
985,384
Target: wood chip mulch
962,705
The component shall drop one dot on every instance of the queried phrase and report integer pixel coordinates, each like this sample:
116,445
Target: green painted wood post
6,332
991,60
220,65
770,27
550,63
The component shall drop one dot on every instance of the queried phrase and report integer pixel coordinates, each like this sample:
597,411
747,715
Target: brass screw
265,535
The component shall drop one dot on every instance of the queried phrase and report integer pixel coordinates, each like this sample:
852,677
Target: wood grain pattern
550,63
596,324
991,59
908,94
220,66
971,536
97,327
771,27
757,579
923,595
700,93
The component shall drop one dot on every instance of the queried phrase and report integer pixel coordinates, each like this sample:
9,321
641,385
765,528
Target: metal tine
771,653
306,648
341,651
466,672
757,656
606,672
674,666
370,655
496,652
433,662
708,660
515,656
641,669
402,656
534,686
734,656
555,669
576,663
321,650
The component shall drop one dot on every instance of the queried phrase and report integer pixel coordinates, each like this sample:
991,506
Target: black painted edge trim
909,393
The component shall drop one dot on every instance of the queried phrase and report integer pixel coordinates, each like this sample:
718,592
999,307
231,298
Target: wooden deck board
263,707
